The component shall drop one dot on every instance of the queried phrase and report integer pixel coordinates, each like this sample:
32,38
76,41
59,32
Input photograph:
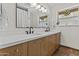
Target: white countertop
10,40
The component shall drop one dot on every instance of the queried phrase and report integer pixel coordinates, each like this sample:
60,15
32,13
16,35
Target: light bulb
38,6
45,10
41,9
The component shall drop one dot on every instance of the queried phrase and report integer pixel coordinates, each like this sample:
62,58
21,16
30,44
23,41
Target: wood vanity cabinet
17,50
8,51
45,46
49,44
34,47
22,49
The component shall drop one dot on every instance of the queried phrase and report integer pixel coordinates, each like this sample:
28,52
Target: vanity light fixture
39,7
43,10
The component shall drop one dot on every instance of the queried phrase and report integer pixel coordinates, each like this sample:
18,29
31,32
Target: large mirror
28,16
23,20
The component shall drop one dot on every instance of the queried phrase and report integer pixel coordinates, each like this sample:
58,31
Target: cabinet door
4,53
57,40
17,50
22,49
53,44
13,50
49,44
44,46
10,51
34,48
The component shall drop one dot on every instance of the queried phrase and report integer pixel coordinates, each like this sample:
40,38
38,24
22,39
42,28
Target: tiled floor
64,51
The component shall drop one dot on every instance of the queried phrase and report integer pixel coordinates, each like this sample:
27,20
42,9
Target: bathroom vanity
44,44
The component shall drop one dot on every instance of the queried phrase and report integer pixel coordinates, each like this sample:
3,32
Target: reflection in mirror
39,15
38,21
43,21
28,16
22,16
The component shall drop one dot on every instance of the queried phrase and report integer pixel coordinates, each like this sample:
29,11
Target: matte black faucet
30,30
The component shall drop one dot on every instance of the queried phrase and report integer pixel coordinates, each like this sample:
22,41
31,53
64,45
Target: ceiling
48,6
61,4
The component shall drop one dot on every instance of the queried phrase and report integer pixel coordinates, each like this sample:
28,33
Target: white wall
9,9
69,35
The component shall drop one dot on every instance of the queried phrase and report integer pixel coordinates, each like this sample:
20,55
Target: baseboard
69,47
64,46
